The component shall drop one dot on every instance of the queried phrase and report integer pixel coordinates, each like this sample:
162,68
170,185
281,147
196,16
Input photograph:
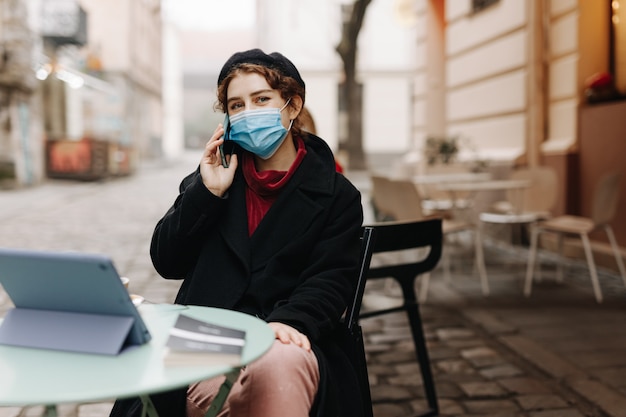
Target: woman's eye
262,99
235,106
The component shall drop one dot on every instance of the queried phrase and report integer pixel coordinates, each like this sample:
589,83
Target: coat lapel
294,210
288,218
234,230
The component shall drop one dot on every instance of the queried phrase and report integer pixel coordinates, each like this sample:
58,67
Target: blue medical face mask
259,131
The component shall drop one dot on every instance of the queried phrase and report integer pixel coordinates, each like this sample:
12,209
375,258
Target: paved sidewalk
557,353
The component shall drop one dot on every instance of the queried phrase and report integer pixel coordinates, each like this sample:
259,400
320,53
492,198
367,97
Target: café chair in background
523,207
399,200
537,200
603,210
438,201
381,198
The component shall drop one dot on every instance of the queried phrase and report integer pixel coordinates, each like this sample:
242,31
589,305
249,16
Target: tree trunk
351,134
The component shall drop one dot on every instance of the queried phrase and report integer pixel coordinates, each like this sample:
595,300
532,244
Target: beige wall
486,67
421,81
564,79
471,76
435,69
429,81
513,74
619,18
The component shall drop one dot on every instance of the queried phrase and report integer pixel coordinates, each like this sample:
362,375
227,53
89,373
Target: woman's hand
215,177
287,334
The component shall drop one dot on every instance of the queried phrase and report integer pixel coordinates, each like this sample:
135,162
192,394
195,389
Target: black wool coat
299,267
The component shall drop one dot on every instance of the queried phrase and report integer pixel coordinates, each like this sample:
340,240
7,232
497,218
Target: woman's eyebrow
264,91
254,93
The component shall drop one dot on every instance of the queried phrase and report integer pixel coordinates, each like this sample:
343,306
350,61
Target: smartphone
221,147
223,156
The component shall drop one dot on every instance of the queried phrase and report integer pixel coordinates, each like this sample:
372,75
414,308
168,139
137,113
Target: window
479,5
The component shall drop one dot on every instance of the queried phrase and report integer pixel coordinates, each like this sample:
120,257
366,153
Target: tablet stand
67,331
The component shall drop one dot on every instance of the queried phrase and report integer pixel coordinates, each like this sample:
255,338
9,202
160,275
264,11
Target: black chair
398,236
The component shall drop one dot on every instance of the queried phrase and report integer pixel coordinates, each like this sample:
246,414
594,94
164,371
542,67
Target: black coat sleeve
178,236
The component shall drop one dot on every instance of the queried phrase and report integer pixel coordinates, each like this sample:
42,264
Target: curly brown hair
287,86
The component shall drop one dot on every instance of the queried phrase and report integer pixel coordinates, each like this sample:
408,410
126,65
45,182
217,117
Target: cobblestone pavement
557,353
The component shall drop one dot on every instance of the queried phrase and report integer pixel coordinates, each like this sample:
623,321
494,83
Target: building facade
126,39
80,88
514,77
21,155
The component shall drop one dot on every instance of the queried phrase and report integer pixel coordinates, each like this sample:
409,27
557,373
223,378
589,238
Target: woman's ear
295,107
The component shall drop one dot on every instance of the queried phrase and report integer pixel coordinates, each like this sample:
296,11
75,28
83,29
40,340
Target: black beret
275,61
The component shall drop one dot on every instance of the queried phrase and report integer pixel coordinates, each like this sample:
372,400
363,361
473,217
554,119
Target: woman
267,227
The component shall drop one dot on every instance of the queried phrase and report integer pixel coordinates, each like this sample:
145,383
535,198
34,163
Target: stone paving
557,353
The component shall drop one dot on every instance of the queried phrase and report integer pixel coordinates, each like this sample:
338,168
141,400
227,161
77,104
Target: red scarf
265,186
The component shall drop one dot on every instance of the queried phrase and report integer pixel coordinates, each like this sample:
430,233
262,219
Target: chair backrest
605,199
404,235
381,198
542,194
404,200
396,199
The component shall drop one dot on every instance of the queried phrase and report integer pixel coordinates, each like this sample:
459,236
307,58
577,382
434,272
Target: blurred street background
104,106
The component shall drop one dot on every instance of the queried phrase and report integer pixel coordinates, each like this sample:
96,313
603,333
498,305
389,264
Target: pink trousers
283,382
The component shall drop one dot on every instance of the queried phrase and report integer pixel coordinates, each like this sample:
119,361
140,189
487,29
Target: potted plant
441,149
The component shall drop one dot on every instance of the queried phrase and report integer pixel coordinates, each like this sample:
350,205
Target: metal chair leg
50,411
534,239
616,251
148,409
445,260
480,261
592,267
559,265
220,398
